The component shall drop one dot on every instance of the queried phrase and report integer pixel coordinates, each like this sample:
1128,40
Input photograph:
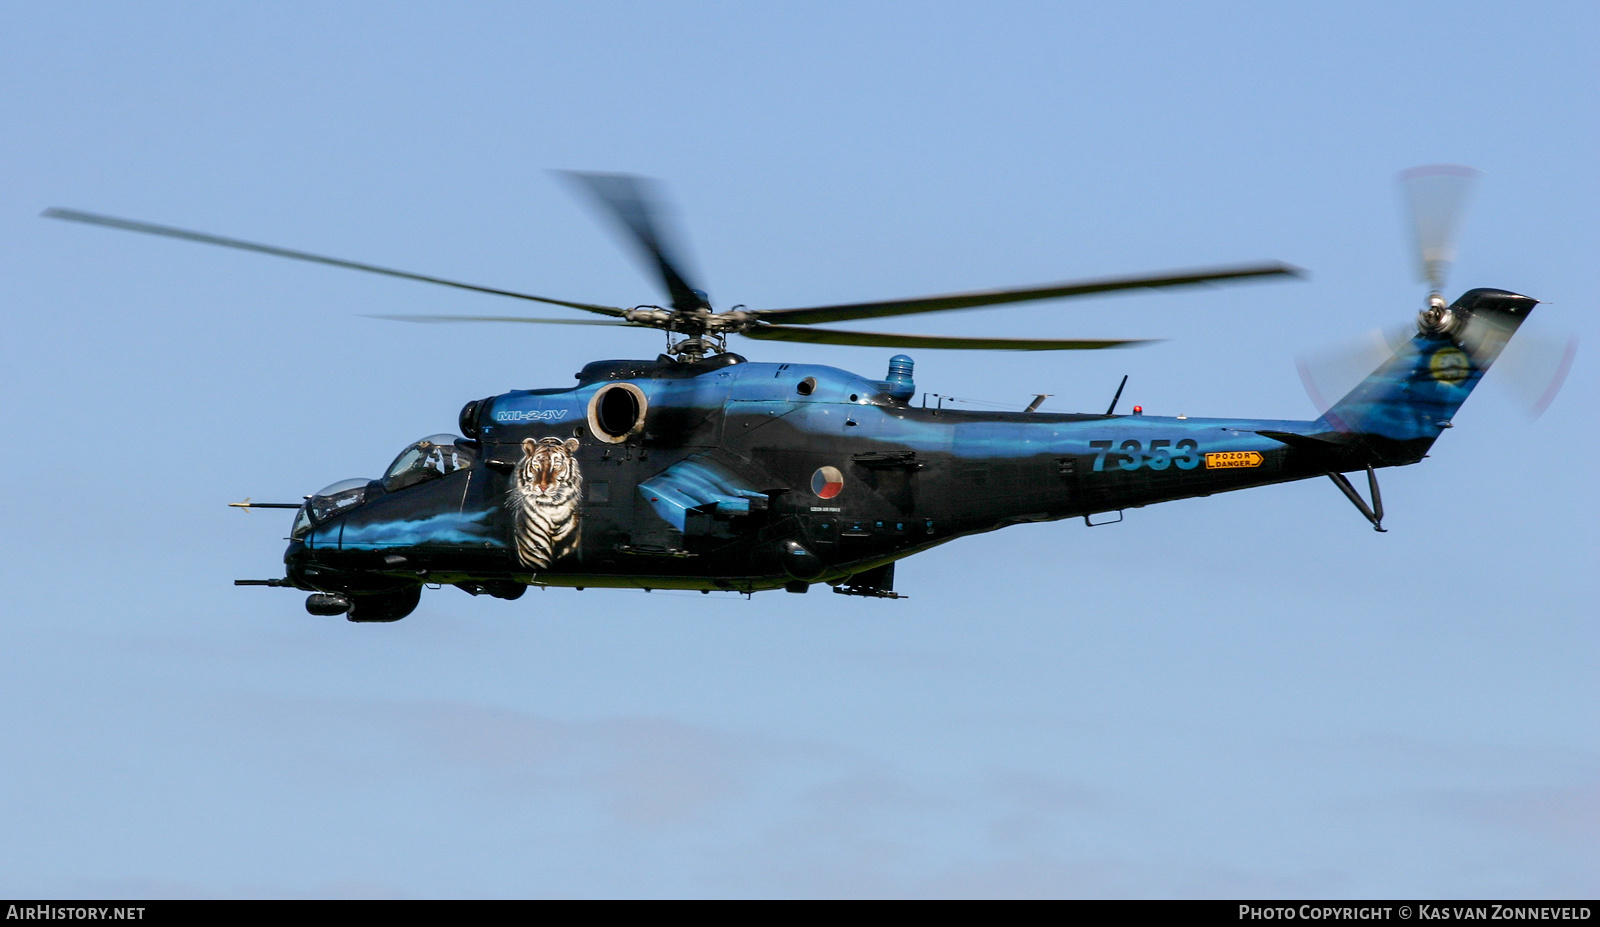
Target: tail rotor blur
1436,196
1533,367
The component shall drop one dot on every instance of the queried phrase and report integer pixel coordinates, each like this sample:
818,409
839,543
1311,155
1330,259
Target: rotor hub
706,331
1439,320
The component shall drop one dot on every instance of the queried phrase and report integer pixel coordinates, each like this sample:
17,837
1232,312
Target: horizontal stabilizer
1306,442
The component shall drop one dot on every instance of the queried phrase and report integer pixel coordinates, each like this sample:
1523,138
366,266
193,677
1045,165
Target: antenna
1112,409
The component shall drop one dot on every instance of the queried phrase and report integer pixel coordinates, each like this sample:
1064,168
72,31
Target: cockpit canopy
331,500
328,502
429,459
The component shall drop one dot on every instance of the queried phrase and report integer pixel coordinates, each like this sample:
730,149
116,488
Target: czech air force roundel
827,482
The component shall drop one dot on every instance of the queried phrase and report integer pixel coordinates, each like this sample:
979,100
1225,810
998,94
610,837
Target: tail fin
1412,396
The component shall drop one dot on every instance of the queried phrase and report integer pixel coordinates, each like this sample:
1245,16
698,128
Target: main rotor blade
130,225
635,204
890,340
994,297
1435,196
498,318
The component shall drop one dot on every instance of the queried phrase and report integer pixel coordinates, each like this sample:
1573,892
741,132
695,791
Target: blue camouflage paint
1412,395
695,482
763,389
451,528
1404,400
718,437
541,407
713,441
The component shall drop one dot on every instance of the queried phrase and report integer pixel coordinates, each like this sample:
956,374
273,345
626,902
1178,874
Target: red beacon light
1138,410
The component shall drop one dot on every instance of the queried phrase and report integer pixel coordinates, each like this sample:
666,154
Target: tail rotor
1436,196
1534,367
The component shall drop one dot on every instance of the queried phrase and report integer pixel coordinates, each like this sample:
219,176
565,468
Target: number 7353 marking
1159,456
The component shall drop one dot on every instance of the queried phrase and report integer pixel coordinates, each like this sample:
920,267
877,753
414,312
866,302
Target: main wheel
384,606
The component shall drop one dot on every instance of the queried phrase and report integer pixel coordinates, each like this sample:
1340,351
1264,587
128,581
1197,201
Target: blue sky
1250,694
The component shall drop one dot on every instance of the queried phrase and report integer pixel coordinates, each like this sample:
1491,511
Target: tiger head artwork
545,498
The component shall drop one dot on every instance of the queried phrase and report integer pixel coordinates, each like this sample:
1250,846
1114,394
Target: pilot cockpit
429,459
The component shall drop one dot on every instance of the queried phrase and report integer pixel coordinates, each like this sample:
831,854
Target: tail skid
1374,512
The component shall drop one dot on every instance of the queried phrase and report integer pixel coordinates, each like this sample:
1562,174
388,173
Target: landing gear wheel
384,606
497,588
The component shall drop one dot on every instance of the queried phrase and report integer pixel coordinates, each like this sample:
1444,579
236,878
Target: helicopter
703,470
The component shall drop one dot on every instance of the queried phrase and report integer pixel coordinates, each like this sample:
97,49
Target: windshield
331,500
302,523
428,459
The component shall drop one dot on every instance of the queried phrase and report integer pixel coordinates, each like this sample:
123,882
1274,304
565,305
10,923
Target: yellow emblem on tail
1449,365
